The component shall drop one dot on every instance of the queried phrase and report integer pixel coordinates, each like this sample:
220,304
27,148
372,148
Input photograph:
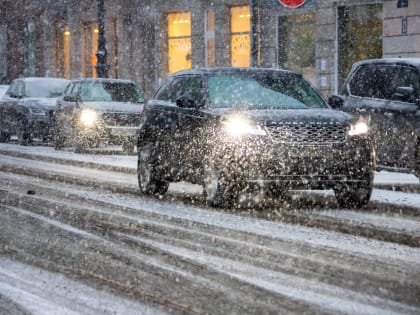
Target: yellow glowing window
179,41
66,48
240,36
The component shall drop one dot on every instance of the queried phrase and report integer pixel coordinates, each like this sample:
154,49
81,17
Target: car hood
44,103
275,116
126,107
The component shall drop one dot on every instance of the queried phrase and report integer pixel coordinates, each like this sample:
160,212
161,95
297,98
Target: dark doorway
359,36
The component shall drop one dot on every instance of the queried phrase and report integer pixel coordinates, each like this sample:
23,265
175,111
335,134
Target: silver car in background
98,111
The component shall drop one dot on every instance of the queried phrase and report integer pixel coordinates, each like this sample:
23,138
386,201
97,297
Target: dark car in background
98,111
233,129
27,107
386,92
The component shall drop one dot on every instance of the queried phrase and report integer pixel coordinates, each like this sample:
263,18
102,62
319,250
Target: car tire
150,183
4,136
221,187
59,139
417,159
353,195
23,134
82,143
128,146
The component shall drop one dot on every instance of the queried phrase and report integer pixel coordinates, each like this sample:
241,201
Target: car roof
230,70
108,80
404,61
39,79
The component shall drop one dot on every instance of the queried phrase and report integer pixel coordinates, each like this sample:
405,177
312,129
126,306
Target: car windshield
111,92
263,90
45,88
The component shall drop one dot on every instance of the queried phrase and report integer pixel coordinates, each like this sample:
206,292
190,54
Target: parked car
3,89
27,107
94,111
232,129
386,92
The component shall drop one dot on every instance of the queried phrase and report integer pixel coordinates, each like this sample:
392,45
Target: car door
400,118
368,97
190,98
66,109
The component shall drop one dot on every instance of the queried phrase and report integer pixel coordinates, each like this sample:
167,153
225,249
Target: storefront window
179,41
297,44
210,39
240,36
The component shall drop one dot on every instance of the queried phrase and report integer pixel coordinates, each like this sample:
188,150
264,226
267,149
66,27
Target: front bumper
314,166
110,134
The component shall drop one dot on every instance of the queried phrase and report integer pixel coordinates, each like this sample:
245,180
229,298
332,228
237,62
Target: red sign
292,3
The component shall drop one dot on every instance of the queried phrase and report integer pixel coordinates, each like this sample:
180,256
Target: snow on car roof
33,79
110,80
230,70
409,61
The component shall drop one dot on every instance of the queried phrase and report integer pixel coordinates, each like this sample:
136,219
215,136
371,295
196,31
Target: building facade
146,40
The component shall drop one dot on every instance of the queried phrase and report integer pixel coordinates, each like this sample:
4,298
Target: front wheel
4,136
220,186
23,134
149,180
353,195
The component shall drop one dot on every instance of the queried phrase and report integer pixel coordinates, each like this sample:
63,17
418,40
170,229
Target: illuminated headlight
238,126
358,128
88,117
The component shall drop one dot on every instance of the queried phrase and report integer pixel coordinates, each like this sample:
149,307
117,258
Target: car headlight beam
88,117
238,126
358,128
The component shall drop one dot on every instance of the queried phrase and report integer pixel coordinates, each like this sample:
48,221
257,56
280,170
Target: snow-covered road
82,216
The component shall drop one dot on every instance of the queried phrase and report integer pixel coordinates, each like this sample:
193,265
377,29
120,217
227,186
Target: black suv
231,129
27,107
386,92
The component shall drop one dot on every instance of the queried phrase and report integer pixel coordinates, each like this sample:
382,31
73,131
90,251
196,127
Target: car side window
164,92
409,77
74,92
374,81
189,87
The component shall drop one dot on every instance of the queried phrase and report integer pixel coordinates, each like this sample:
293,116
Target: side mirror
185,103
404,94
336,101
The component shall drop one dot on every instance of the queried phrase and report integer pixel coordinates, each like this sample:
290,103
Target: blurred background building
146,40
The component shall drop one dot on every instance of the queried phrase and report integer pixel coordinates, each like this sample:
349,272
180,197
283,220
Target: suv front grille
121,119
313,133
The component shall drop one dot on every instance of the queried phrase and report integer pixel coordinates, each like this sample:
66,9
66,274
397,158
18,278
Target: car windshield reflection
111,92
45,88
261,92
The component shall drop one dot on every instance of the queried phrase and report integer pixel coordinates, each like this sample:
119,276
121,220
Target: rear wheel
23,134
150,182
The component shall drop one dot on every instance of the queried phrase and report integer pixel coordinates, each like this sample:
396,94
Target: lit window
66,49
179,41
240,36
210,39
